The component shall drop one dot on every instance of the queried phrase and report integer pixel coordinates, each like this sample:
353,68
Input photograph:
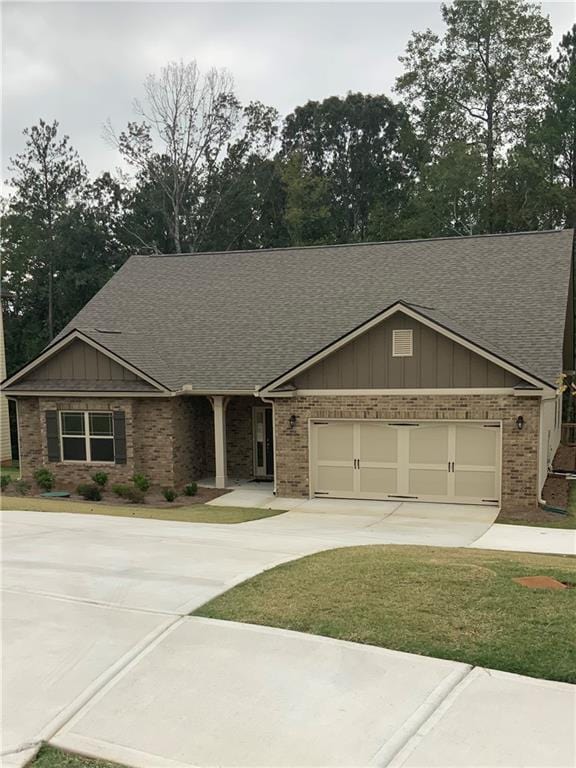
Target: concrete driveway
95,607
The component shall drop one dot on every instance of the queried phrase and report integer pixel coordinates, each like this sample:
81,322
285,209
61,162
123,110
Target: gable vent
402,343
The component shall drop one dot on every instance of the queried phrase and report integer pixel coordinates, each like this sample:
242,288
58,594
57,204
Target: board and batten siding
437,363
80,361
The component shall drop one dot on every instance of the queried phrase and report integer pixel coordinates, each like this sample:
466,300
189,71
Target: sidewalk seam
412,727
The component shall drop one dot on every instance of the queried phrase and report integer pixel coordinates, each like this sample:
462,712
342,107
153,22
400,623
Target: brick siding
169,439
519,448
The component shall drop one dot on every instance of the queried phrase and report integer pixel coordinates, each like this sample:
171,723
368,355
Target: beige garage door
428,461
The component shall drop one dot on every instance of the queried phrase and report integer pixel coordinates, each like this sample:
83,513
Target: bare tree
190,122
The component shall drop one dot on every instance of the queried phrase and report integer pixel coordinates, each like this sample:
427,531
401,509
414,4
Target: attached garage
457,461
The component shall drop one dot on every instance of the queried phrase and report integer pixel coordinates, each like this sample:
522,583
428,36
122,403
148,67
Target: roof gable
440,359
77,363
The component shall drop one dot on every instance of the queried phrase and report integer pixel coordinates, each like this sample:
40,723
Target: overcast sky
84,62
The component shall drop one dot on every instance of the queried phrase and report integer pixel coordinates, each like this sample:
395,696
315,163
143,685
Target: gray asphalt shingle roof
235,320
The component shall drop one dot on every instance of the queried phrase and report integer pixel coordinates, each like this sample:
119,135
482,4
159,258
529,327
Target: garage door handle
450,466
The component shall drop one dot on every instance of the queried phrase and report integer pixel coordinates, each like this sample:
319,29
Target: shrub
191,489
142,482
100,478
4,481
89,491
169,494
44,479
129,493
22,487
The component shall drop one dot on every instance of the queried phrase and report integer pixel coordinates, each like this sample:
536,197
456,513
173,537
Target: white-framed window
87,436
402,342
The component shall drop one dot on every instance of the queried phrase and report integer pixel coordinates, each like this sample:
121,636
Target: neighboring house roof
237,320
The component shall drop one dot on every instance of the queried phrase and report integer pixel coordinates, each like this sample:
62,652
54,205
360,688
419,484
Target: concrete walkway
87,600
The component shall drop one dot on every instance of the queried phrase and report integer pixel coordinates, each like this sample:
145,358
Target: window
402,343
87,436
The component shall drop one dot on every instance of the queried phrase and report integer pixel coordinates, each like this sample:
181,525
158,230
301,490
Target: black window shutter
119,419
53,435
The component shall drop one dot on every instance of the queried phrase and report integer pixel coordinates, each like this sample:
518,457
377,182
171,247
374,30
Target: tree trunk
50,301
490,165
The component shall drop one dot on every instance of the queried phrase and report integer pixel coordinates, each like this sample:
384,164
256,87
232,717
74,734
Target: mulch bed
154,497
555,491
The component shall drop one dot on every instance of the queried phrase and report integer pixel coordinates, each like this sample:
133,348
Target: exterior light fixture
292,421
520,422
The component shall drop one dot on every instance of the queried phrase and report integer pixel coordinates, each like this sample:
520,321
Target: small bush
22,487
4,481
100,478
129,493
44,479
169,494
191,489
142,482
89,491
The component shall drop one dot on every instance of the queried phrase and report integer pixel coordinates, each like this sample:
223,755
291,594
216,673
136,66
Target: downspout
268,401
541,500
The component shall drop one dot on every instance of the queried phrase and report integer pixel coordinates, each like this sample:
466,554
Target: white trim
100,393
255,409
362,392
188,389
87,437
76,334
399,307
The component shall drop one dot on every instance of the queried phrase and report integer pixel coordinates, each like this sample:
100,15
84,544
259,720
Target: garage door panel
476,445
475,484
429,444
378,480
335,479
428,482
334,441
378,442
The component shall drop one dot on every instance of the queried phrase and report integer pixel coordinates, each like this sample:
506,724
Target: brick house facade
450,332
519,448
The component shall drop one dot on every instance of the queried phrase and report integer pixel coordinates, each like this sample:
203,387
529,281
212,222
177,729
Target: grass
455,604
195,513
50,757
12,470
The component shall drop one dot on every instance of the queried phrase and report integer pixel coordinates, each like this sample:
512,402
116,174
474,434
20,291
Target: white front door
428,461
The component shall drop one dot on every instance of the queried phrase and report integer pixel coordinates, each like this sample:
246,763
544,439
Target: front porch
233,438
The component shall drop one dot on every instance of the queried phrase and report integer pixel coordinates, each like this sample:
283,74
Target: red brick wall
519,448
239,439
169,439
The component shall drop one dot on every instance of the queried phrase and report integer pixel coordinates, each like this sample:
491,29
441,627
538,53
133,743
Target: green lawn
50,757
456,604
195,513
13,471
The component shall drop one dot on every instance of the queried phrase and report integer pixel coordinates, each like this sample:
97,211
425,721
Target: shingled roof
239,319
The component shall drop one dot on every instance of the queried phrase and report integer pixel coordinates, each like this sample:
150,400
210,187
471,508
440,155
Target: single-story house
423,370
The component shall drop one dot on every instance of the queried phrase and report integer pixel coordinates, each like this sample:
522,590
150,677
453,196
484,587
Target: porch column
219,404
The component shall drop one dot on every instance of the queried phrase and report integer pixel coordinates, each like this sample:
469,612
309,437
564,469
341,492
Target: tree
448,196
47,177
359,146
61,240
479,83
191,124
307,206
